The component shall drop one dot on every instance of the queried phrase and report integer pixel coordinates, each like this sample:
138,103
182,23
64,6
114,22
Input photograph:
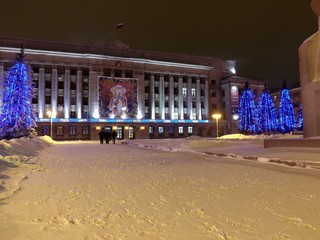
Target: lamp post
50,114
217,116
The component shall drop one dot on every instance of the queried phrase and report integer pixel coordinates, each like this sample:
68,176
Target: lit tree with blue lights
268,119
287,118
300,124
17,118
247,112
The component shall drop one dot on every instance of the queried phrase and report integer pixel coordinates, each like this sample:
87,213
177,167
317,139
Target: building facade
141,94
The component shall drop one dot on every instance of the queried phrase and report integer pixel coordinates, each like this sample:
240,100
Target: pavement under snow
192,188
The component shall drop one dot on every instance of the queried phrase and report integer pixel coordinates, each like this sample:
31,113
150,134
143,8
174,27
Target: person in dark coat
107,136
101,135
114,136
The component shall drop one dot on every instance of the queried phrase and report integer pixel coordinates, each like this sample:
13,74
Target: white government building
140,94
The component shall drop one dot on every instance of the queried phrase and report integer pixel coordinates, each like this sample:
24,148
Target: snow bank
23,148
260,136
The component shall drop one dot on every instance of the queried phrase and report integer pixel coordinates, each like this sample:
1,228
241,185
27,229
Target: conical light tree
268,119
287,118
300,124
17,118
247,122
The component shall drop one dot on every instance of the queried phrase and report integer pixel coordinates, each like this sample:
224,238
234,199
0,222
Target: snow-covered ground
192,188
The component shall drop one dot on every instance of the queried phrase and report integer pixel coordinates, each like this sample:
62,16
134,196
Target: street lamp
50,114
217,116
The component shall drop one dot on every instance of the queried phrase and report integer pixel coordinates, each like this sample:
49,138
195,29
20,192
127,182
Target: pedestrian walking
114,136
101,135
107,136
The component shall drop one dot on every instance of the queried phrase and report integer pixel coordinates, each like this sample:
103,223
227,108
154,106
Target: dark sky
263,36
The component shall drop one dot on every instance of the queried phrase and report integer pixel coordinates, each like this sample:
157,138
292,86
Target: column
54,91
206,99
93,94
66,94
180,99
161,98
189,95
41,97
140,96
152,98
171,97
198,100
79,94
1,86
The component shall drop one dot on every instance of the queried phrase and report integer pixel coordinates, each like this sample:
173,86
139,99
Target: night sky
263,36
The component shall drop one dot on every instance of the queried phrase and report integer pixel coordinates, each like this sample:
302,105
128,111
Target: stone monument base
294,142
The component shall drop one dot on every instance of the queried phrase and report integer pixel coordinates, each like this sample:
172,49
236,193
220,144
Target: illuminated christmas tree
17,118
247,112
300,125
287,118
268,119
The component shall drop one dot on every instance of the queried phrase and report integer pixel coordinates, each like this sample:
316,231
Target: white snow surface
191,188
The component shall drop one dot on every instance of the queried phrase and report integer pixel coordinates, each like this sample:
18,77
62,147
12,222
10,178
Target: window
151,130
184,91
60,85
46,130
107,72
193,91
120,133
47,100
85,101
131,133
85,86
73,100
48,84
60,100
85,131
73,85
117,72
180,130
35,100
171,130
161,130
128,74
60,130
156,90
190,130
35,83
72,131
213,82
73,114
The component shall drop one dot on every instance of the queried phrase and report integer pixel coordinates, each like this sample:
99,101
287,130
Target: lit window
130,133
184,91
193,91
161,130
180,130
151,130
190,130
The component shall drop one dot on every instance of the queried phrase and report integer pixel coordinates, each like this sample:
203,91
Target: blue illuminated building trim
112,120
